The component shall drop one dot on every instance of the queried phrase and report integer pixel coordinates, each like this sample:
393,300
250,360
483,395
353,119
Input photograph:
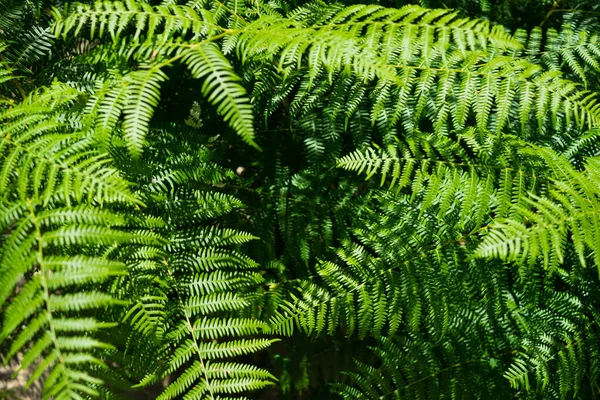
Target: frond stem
171,60
43,282
191,329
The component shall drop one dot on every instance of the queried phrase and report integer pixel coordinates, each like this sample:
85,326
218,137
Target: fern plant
196,314
229,198
542,225
75,247
57,193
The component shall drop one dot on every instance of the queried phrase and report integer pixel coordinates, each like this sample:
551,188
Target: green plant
221,194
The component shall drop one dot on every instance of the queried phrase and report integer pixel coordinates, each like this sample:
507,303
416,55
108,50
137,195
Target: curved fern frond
541,227
53,181
115,17
435,171
46,311
30,47
5,73
10,14
573,48
450,68
144,96
449,74
386,380
373,295
205,283
221,86
57,161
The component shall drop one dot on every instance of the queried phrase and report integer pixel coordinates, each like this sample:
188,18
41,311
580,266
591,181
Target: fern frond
10,14
436,170
57,161
448,71
193,292
115,17
29,48
542,227
572,48
198,309
45,306
204,59
144,97
221,87
53,181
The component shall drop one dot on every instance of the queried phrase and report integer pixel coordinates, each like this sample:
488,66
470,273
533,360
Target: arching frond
53,181
205,60
454,74
573,48
221,87
56,160
543,225
435,170
29,48
114,17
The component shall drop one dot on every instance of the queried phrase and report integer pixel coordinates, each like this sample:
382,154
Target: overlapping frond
10,14
113,18
429,66
222,87
57,158
388,284
5,73
435,170
204,290
114,207
193,292
573,48
140,91
543,226
52,264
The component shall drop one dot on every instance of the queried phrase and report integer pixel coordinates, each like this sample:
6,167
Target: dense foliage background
290,199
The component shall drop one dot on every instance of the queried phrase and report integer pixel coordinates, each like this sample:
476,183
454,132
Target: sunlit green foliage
209,200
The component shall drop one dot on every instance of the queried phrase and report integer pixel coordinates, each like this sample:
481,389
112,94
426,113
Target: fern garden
219,199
